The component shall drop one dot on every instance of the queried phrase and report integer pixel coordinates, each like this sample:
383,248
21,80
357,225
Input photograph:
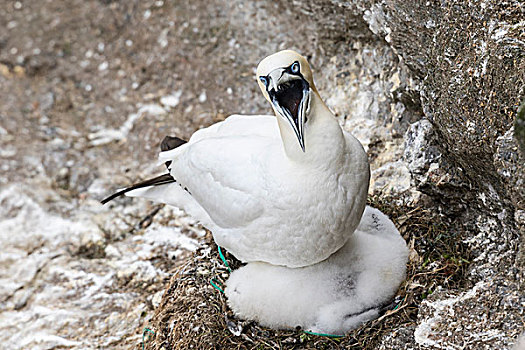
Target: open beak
290,95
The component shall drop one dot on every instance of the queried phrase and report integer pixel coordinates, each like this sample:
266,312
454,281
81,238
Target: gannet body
287,190
338,294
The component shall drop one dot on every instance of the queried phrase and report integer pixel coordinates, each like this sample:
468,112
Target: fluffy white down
333,296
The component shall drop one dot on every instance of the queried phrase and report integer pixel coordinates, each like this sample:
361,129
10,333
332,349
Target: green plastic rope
401,302
214,282
324,334
224,259
215,285
146,330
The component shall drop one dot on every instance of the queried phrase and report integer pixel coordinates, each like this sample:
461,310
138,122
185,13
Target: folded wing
221,173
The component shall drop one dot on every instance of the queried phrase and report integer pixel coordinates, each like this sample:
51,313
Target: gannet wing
224,167
156,181
168,143
173,194
226,176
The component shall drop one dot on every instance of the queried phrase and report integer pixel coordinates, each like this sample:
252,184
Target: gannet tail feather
172,193
167,144
156,181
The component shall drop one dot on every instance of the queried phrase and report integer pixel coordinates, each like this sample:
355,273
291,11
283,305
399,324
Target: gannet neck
323,137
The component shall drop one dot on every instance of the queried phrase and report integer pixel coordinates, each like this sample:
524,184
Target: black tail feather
156,181
168,143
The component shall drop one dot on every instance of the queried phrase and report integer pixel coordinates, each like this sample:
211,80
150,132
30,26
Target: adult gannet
288,189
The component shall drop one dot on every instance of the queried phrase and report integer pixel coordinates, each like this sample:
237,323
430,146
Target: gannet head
286,81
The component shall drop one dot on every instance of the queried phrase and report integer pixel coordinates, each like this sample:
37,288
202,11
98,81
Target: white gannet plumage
288,189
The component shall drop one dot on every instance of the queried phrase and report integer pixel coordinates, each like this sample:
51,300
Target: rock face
431,89
467,59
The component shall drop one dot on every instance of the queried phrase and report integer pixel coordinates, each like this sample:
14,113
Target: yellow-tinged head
283,59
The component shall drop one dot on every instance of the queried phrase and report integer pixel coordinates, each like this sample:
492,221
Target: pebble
203,97
4,70
57,143
7,152
157,298
171,100
46,101
103,66
19,71
112,252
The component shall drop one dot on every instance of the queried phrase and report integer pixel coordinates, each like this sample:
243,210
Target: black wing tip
109,198
156,181
115,195
171,142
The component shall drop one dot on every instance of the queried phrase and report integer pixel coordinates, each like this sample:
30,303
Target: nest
194,314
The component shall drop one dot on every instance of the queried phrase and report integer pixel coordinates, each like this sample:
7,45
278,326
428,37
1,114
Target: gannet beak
289,93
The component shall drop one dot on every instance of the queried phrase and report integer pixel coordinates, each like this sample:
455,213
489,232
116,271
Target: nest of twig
194,314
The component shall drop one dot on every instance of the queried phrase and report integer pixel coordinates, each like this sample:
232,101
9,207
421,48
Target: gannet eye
295,67
264,80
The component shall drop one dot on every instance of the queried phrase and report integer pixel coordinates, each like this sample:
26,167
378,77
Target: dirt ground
72,68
